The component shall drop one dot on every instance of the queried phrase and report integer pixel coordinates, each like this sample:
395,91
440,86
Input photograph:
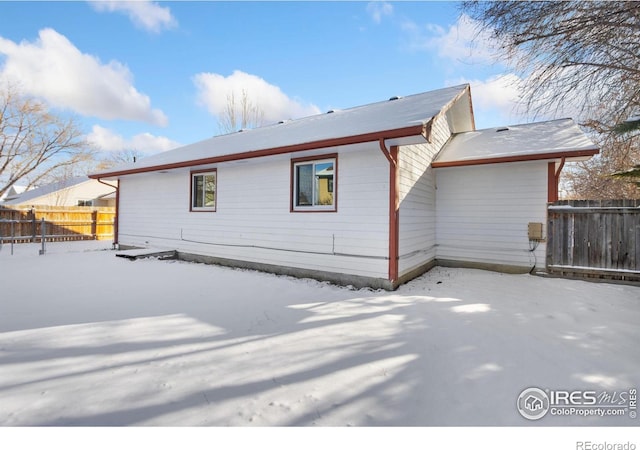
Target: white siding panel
253,221
417,195
483,212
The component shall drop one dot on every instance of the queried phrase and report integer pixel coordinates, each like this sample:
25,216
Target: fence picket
594,238
62,223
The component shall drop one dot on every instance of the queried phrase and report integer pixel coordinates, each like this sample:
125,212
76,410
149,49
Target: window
85,202
203,191
314,184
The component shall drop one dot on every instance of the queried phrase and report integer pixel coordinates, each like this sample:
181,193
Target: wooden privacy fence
594,238
61,223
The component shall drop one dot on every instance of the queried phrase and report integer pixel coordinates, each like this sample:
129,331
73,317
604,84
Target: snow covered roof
396,118
47,189
12,192
534,141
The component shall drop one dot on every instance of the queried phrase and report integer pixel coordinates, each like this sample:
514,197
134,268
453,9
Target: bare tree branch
35,143
579,56
240,114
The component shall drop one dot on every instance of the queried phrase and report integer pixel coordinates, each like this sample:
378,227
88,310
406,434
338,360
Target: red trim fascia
413,130
314,158
335,183
115,220
215,193
517,158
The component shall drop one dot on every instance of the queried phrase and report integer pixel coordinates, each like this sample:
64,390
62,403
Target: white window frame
192,194
313,161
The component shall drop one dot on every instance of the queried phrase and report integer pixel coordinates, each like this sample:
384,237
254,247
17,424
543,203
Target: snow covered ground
90,339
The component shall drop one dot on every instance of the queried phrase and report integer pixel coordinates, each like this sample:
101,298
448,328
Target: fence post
33,224
94,224
13,238
42,225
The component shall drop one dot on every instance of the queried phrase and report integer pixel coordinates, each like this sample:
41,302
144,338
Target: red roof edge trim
516,158
413,130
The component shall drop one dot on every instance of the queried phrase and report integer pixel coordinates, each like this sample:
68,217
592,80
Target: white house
11,193
369,196
77,191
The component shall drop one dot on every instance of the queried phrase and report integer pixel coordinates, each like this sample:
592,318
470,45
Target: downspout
562,161
115,222
394,209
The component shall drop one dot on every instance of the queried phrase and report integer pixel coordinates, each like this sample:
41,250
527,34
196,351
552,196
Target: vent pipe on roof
395,97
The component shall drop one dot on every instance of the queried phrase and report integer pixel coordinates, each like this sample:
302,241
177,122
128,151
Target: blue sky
150,76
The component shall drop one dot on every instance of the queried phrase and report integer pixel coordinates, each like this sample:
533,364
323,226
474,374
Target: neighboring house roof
534,141
12,192
110,196
81,187
391,120
46,190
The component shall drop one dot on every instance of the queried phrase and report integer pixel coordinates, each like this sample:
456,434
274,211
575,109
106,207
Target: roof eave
421,129
518,158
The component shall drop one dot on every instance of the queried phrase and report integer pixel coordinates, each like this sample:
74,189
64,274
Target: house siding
253,221
483,214
417,196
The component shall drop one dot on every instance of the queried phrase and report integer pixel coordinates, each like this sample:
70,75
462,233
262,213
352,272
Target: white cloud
496,100
498,92
53,69
460,42
214,91
107,140
379,9
467,50
144,14
504,97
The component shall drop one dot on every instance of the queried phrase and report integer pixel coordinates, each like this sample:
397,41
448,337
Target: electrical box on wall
535,231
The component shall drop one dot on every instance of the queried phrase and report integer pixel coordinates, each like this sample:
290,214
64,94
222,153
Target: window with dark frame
313,185
203,191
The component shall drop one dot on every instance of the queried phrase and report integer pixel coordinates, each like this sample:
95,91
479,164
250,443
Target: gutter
516,158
